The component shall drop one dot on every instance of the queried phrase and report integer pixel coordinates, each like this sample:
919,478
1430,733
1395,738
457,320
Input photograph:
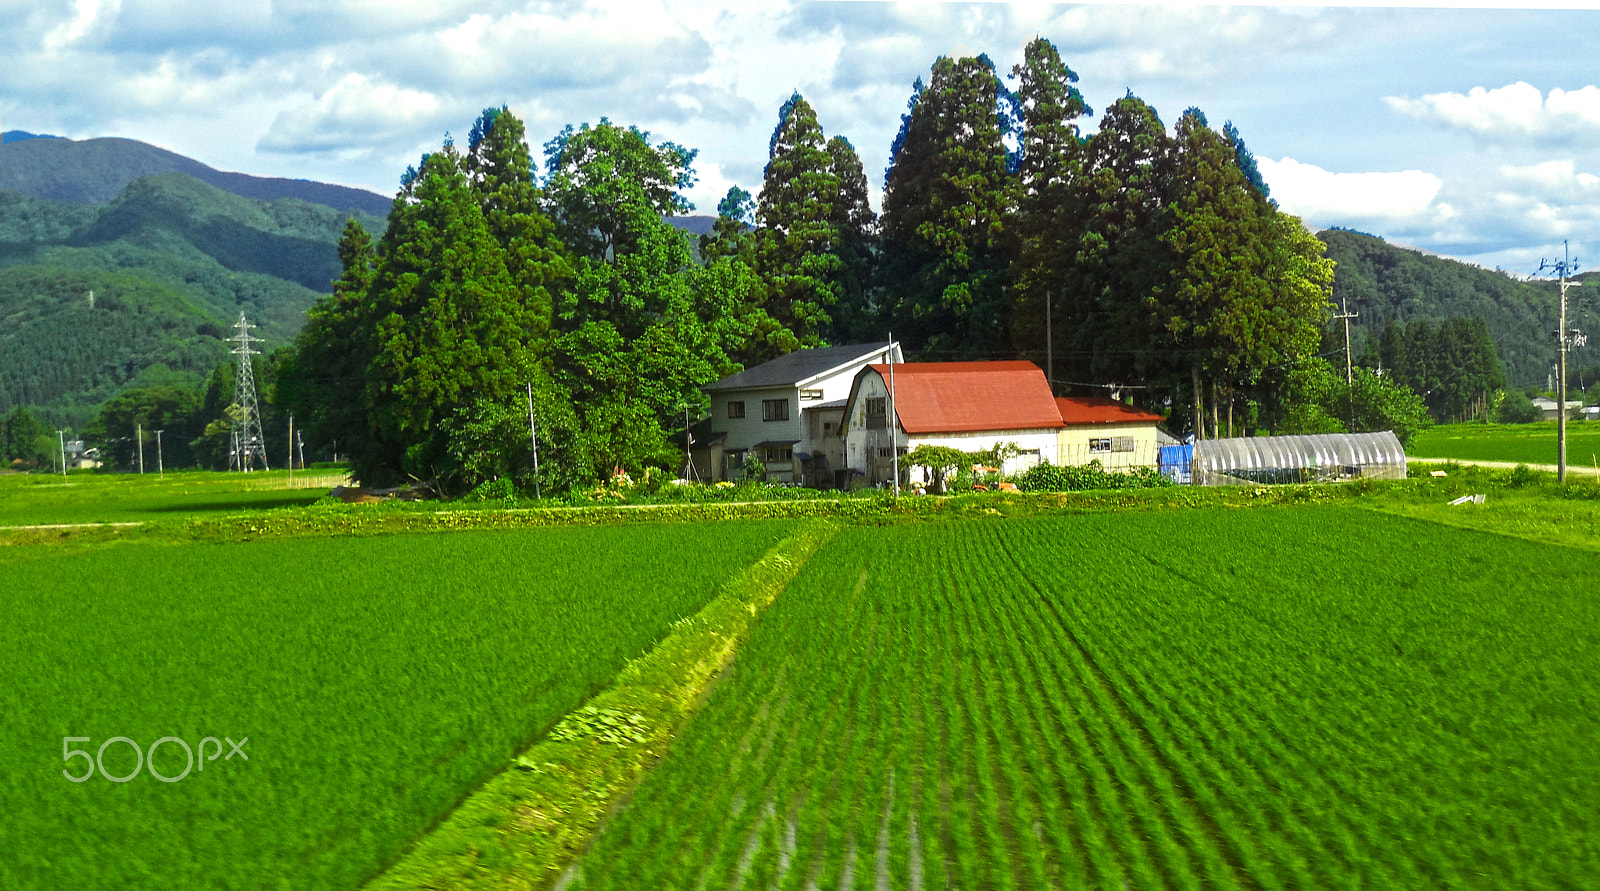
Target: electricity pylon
252,442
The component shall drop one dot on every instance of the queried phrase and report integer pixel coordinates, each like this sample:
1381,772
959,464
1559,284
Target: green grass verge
1516,443
527,823
378,679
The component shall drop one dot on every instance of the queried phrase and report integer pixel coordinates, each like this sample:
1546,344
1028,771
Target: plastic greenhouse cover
1323,457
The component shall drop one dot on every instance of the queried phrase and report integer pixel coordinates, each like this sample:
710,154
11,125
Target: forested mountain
1385,283
94,171
170,261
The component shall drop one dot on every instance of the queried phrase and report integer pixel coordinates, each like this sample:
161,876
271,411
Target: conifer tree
799,236
451,330
857,225
1047,224
946,200
1120,259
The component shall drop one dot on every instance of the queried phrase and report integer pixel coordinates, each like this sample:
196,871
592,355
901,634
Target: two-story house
785,412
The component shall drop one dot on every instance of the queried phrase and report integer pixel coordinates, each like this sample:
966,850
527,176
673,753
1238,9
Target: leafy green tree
26,439
1246,160
641,329
171,409
944,206
1326,403
737,205
1046,226
1516,408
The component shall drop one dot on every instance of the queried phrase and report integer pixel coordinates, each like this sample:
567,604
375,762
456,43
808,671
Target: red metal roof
1097,410
964,397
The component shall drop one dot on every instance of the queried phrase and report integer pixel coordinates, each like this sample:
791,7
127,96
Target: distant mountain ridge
145,288
1384,281
95,171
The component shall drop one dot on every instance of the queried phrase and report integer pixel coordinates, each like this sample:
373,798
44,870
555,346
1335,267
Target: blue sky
1471,132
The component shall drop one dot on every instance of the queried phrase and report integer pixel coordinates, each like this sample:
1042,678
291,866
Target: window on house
774,409
1122,444
1100,445
827,428
885,453
736,409
810,394
777,456
877,412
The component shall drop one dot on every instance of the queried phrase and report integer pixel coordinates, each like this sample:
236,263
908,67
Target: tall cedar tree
944,207
857,226
799,236
1046,226
323,379
1249,288
501,170
1120,258
452,330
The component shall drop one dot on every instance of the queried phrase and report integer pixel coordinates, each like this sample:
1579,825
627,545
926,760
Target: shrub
1053,478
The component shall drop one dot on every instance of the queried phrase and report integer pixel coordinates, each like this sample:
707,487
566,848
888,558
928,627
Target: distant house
1105,430
1551,412
963,405
786,413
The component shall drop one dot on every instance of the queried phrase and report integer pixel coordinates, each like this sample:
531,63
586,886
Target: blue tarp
1175,462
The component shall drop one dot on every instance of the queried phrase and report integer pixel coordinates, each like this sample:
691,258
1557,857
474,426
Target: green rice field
1309,697
28,499
1514,443
377,679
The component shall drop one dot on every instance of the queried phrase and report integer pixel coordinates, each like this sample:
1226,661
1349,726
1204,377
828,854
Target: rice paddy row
1317,697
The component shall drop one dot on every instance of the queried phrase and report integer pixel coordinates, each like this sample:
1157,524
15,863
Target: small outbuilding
1105,430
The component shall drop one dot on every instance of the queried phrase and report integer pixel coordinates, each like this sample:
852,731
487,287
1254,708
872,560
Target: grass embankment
1307,697
1512,443
378,679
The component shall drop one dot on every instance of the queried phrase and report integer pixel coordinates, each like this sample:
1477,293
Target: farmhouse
962,405
786,413
1105,430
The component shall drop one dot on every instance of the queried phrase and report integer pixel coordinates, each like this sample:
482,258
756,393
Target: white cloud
85,14
1514,112
1324,198
357,111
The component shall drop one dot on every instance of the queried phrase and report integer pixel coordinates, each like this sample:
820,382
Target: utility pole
62,435
300,446
894,439
161,470
1347,315
291,447
533,438
1562,268
138,434
1049,348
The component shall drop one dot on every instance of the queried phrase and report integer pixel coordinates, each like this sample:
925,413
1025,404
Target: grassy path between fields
528,823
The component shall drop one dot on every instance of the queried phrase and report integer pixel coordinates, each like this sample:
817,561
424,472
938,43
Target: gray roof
797,366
